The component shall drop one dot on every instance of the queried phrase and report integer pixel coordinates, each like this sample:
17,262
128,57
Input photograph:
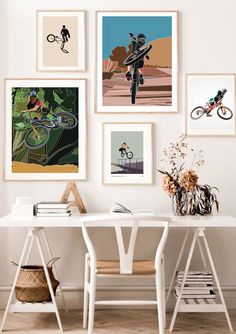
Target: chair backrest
133,221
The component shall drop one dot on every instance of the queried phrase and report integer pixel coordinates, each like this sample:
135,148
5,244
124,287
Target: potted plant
181,182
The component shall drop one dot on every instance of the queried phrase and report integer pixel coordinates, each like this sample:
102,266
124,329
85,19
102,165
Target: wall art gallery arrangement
136,72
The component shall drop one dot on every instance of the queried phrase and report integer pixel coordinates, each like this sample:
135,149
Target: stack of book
198,284
52,209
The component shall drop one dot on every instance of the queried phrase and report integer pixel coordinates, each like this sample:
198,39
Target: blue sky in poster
116,30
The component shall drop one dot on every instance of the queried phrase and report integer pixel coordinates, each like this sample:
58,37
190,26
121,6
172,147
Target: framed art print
45,129
127,153
61,40
210,105
136,62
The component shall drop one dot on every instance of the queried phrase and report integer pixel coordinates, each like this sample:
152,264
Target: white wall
206,45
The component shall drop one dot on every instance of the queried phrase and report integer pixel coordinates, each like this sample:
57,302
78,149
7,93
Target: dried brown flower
168,185
188,180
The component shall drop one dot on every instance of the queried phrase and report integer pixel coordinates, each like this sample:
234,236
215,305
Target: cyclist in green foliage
36,105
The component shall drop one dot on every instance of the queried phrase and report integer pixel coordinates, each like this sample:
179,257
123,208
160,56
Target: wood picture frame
114,94
210,104
127,153
48,143
61,40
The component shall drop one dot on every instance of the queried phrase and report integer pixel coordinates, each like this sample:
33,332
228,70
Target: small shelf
32,307
200,305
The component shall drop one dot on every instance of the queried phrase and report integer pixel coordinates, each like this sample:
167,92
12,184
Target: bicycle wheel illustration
51,38
34,141
122,154
224,113
129,155
140,53
66,120
197,112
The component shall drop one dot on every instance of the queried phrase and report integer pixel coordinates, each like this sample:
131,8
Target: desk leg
29,235
202,254
177,264
29,250
195,236
51,256
49,282
216,280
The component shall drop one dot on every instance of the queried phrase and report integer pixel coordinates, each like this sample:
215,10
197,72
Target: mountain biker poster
61,40
127,153
210,107
45,129
136,62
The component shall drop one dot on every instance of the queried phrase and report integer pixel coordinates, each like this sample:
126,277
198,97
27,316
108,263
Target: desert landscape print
157,70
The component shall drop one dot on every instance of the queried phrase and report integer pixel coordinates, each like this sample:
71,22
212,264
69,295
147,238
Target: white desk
36,225
74,221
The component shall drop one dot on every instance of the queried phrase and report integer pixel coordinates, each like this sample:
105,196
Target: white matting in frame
127,153
50,144
210,104
159,91
61,40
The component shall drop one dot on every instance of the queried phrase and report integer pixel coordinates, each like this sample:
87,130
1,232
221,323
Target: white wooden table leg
216,280
202,253
55,270
177,264
29,235
48,281
184,279
29,250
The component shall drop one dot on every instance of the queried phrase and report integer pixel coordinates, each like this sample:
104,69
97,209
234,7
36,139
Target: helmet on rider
33,93
141,38
222,92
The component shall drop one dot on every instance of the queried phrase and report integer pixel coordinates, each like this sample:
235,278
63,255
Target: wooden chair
126,266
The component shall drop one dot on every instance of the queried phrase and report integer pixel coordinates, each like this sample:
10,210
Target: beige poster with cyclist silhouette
210,107
60,52
127,153
61,40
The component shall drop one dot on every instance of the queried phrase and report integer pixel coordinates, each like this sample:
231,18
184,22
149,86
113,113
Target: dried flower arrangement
181,184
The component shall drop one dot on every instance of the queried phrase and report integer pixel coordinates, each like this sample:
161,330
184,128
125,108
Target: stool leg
55,270
92,300
29,235
86,293
163,289
48,281
160,305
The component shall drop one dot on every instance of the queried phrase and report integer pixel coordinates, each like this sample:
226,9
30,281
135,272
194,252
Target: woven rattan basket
32,284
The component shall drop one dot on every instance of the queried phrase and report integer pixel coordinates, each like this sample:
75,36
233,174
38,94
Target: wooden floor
117,321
